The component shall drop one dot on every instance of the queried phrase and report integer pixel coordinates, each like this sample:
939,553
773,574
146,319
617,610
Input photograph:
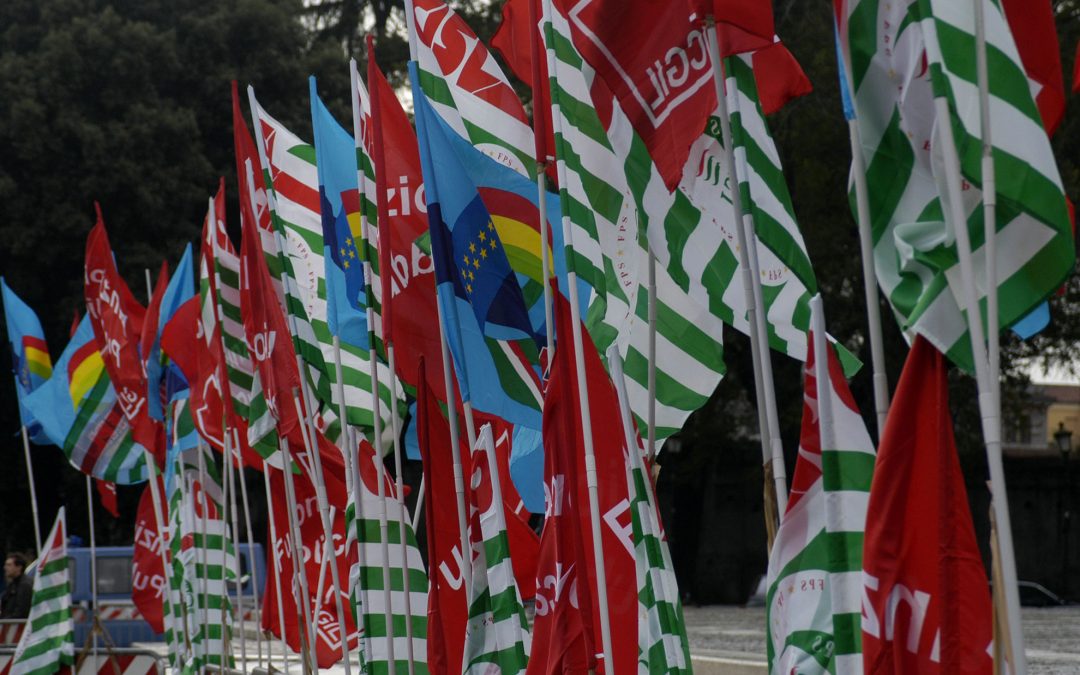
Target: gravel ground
1052,635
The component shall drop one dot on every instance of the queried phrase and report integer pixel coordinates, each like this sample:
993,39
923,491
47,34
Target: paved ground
723,634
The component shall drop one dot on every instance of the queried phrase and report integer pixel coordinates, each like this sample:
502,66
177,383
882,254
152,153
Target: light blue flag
339,202
29,354
181,288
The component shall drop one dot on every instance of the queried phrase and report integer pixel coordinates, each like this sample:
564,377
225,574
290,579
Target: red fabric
148,583
1032,26
926,604
520,42
267,332
447,605
407,271
745,25
779,77
524,542
657,64
117,319
107,493
309,520
566,483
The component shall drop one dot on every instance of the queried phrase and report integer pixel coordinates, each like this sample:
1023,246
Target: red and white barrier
130,664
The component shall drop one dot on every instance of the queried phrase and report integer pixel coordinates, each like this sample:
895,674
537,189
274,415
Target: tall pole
93,565
771,448
33,491
651,422
299,568
402,511
991,422
274,562
448,378
251,552
591,477
870,288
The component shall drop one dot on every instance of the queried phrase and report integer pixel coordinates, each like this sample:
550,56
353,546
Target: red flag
117,319
148,583
406,270
566,485
519,40
1032,26
524,542
107,493
328,635
447,608
779,77
926,602
267,333
657,64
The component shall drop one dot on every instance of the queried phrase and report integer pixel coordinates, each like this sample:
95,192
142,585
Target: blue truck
118,614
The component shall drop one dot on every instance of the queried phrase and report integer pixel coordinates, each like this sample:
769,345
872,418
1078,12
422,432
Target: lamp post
1063,440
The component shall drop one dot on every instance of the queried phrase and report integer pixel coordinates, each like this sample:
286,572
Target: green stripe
847,470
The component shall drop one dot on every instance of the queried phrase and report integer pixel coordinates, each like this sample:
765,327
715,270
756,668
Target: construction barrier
126,661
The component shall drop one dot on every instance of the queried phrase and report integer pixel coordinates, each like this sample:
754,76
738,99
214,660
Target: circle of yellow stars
477,255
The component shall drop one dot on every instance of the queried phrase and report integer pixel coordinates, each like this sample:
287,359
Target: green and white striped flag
662,643
813,605
202,557
696,238
366,588
244,384
293,180
48,639
468,89
497,638
608,204
897,57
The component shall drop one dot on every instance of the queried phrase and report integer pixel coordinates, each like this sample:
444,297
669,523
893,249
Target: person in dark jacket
15,603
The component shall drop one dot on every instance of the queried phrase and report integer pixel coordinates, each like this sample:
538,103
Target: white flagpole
448,381
308,428
870,287
226,386
274,562
583,390
93,563
299,568
402,511
308,433
991,421
254,568
759,347
651,421
33,491
202,615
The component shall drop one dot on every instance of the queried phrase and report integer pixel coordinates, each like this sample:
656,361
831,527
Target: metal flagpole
274,561
991,422
93,567
308,428
230,488
299,568
253,572
308,433
402,511
230,480
376,404
759,346
870,287
33,491
448,382
202,616
583,388
651,422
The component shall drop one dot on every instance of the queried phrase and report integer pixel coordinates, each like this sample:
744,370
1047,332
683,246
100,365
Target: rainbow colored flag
29,354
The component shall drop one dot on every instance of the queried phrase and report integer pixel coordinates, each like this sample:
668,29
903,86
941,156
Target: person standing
15,603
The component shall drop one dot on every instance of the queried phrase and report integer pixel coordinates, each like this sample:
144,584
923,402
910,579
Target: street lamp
1063,439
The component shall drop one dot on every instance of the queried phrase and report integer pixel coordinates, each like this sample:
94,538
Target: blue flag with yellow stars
339,201
29,354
